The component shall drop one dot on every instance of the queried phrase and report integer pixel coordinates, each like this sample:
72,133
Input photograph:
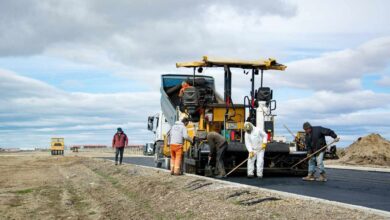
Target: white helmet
248,127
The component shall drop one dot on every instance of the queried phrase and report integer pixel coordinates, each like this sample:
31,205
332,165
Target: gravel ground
43,187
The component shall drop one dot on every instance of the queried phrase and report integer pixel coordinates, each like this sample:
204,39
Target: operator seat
190,100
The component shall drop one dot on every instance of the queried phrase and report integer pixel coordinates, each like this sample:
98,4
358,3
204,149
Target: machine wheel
157,163
189,169
167,163
157,153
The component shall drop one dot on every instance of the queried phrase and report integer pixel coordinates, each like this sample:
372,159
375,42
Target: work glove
263,146
337,139
251,154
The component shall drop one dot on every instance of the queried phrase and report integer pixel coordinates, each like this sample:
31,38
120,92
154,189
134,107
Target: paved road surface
364,188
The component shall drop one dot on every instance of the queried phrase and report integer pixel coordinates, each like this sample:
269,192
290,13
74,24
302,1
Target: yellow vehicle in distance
57,146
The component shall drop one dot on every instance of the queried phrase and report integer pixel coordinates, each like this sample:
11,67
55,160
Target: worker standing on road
218,147
315,140
255,142
119,142
177,135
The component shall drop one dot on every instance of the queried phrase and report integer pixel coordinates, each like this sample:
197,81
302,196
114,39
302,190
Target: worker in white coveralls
255,142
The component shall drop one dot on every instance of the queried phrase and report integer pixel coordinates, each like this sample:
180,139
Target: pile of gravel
369,150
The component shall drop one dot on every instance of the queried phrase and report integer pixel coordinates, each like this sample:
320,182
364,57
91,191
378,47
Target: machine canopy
268,64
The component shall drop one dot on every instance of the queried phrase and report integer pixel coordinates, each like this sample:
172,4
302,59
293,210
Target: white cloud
349,114
140,40
337,71
325,102
34,108
127,27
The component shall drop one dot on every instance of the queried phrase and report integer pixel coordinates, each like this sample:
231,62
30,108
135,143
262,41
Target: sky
81,68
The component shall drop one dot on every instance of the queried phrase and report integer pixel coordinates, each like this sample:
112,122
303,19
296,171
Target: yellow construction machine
208,111
57,146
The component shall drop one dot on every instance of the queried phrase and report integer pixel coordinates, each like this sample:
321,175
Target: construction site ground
39,186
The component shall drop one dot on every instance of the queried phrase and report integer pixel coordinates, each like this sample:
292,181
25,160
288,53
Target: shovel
208,170
235,168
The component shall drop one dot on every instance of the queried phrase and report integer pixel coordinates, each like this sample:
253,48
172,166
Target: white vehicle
149,149
159,125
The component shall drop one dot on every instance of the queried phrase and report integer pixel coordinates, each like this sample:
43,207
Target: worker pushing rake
316,145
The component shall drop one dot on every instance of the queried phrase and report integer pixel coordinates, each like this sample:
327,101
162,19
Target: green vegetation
24,191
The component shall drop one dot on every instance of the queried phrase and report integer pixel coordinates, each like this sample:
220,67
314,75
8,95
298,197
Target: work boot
250,176
309,177
222,174
322,178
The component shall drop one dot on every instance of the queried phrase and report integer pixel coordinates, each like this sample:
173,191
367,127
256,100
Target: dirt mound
369,150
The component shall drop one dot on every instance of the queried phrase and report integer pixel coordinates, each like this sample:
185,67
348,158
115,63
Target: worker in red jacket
119,142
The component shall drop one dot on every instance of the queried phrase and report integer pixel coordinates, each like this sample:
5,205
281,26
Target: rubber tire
167,163
157,151
189,168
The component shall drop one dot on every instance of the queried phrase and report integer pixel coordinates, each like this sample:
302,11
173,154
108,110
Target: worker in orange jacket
177,135
184,85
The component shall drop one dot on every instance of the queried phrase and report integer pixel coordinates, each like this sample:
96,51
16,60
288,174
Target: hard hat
248,127
185,120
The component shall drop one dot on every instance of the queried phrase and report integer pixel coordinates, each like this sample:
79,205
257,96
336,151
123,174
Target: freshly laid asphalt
363,188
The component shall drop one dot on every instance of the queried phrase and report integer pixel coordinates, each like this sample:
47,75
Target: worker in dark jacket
315,140
119,142
218,146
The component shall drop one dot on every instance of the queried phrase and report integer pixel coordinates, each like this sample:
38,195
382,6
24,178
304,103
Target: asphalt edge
285,194
369,169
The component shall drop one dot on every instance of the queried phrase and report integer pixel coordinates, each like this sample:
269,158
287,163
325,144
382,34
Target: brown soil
105,152
369,150
51,187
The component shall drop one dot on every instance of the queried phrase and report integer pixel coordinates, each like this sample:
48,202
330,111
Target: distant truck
57,146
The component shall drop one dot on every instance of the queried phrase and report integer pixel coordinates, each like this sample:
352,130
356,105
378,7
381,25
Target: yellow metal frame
265,64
